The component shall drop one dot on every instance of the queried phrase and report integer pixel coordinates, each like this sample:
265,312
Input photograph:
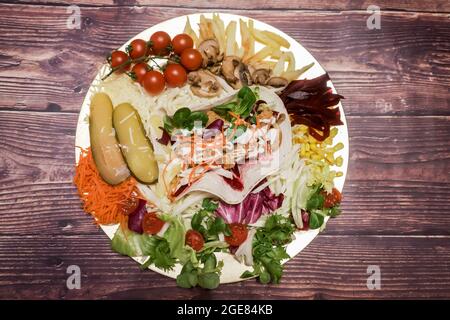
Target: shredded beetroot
236,182
312,103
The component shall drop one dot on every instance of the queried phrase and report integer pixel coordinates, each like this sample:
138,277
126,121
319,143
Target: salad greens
316,209
207,224
242,106
269,249
207,277
184,118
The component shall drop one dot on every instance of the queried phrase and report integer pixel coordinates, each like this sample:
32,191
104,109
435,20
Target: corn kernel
339,174
313,146
330,159
307,148
333,132
339,161
338,147
315,157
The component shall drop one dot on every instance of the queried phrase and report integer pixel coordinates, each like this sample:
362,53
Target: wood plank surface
329,268
408,181
344,5
402,69
397,194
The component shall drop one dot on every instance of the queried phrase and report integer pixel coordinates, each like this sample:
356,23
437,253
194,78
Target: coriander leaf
247,274
197,116
334,211
209,205
209,280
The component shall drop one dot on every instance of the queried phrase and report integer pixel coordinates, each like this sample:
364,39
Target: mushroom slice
235,72
204,84
261,76
277,82
210,51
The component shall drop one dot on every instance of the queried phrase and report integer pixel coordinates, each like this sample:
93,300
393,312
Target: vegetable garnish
101,200
312,103
269,249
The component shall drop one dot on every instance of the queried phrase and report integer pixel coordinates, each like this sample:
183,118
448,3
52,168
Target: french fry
262,38
205,28
266,64
189,31
294,75
230,32
282,42
251,40
279,67
245,38
291,61
261,54
219,34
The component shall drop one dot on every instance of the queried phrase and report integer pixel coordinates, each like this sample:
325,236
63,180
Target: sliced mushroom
210,51
277,82
204,84
261,76
235,72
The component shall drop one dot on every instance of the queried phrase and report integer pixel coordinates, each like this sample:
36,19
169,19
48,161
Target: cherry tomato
160,42
151,224
139,70
239,233
182,42
191,59
119,58
137,48
195,240
153,82
129,206
175,74
332,199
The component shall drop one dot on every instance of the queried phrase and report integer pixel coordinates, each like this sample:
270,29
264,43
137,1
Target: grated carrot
101,200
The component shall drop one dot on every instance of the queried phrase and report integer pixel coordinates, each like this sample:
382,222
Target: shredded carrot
101,200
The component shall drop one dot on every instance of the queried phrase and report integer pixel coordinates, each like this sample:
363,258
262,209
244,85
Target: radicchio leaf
136,217
251,208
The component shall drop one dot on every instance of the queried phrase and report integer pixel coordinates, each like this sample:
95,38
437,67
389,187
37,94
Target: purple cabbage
165,138
251,208
213,128
136,217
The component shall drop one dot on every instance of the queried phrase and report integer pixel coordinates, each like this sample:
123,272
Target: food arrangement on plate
206,153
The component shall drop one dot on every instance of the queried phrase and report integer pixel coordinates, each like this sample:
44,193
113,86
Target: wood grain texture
340,5
402,69
409,180
329,268
397,193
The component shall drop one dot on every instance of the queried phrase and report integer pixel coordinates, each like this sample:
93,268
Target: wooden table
396,210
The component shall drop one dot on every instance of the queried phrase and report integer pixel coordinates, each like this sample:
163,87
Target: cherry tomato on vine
119,58
137,48
195,240
176,75
153,82
139,70
182,42
191,59
332,199
160,42
151,224
239,233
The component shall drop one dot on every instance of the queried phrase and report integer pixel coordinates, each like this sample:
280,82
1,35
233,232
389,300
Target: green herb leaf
181,116
209,280
315,220
197,116
334,211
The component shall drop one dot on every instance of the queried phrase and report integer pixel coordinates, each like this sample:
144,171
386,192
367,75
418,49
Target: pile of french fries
272,56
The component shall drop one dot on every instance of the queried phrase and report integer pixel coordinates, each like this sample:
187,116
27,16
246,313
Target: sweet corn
339,174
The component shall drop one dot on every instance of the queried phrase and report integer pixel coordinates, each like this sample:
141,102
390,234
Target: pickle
104,145
136,147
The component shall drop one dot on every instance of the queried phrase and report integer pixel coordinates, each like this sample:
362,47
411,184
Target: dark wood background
396,209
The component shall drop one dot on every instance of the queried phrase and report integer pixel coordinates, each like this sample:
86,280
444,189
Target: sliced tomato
239,233
151,224
195,240
129,206
332,199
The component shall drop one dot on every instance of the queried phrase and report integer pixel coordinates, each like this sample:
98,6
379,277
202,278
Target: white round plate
232,269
